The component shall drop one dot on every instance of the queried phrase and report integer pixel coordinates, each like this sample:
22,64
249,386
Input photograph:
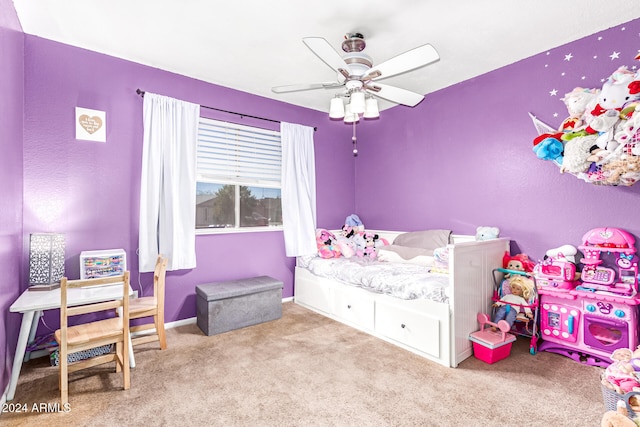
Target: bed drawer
414,329
314,292
355,306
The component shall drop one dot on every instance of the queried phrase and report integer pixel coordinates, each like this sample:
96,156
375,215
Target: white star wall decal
614,55
554,92
568,57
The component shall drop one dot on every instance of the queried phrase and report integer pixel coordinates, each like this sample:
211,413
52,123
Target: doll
510,304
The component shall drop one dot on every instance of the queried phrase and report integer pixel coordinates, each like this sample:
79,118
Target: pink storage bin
491,346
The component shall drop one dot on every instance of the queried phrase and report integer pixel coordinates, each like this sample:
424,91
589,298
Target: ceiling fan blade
300,87
407,61
395,94
327,54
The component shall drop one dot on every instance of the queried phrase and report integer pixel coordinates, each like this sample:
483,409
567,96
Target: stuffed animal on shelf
487,233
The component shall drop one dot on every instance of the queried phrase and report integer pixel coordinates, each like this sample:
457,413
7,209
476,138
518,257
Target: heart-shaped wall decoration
90,123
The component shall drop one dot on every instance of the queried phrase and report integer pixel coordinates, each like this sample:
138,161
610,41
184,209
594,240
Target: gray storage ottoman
225,306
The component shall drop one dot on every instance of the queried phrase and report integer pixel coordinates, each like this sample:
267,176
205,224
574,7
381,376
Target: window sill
206,231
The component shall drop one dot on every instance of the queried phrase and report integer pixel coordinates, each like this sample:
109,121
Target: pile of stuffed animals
352,241
599,141
621,377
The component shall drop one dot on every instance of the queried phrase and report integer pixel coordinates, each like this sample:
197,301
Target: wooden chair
85,336
151,306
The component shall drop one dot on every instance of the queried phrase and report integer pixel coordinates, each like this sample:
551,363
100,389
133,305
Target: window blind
232,153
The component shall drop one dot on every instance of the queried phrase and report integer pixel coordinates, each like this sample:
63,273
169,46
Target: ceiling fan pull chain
355,141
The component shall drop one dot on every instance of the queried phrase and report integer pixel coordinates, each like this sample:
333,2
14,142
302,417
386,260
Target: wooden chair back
94,334
151,306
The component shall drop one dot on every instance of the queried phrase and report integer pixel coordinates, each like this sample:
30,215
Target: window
238,176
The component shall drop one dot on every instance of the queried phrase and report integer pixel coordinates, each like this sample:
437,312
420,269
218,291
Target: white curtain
298,189
168,186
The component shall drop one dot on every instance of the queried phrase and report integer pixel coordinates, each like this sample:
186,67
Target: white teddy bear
487,233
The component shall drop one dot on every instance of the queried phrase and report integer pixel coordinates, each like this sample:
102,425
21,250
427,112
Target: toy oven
608,326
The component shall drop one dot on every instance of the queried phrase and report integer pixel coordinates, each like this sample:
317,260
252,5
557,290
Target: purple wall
90,191
11,106
463,157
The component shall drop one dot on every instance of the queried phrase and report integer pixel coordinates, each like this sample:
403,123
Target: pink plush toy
620,374
327,245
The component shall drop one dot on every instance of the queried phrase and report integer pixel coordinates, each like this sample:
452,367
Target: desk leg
32,333
25,329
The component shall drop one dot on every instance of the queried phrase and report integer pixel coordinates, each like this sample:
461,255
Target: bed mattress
400,280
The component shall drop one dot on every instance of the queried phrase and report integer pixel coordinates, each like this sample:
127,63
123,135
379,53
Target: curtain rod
142,92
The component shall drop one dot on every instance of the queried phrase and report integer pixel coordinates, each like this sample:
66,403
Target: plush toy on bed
487,233
354,222
345,243
327,244
370,243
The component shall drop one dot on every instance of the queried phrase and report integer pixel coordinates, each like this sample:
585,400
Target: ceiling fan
356,71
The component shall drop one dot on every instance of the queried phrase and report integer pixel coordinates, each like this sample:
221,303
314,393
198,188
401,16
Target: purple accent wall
90,191
463,157
11,107
460,159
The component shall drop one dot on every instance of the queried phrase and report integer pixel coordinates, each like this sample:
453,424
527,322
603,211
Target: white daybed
438,331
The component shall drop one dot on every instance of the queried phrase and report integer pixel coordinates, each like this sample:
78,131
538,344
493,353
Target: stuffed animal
617,418
370,240
623,171
579,103
614,96
326,242
354,221
549,146
519,262
619,375
577,153
345,243
487,233
629,131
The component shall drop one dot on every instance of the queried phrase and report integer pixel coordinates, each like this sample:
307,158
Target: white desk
32,303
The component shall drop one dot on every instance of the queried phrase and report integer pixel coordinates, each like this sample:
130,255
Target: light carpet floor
307,370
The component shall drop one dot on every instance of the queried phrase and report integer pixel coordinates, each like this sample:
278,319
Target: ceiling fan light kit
336,109
358,76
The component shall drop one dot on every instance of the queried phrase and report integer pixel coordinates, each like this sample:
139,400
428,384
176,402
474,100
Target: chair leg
162,336
64,382
119,352
126,376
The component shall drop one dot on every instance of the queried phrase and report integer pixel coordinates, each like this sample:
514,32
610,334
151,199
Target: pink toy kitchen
587,315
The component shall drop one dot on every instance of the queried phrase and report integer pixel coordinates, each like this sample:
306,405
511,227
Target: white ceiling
253,45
